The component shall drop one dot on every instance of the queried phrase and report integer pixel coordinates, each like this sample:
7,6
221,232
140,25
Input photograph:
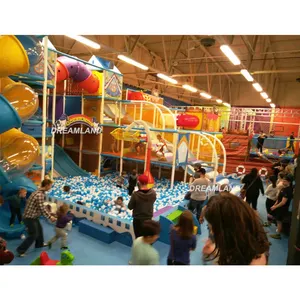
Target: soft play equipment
13,56
8,116
6,231
169,218
186,120
22,98
88,80
18,153
18,102
33,48
66,259
18,183
64,165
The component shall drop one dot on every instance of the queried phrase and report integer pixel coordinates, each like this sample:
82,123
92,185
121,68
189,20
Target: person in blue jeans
199,192
182,240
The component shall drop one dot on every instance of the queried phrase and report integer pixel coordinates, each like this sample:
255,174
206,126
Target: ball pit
94,192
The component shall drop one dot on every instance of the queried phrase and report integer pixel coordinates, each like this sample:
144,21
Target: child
15,206
119,204
161,148
143,252
132,181
138,148
6,257
67,189
61,227
182,240
120,180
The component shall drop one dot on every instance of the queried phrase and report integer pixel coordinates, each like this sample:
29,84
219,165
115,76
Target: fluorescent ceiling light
269,100
219,101
167,78
247,75
257,87
205,95
132,62
226,104
189,88
264,95
229,53
272,105
84,41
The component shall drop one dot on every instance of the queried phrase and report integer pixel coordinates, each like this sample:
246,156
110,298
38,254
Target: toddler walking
61,227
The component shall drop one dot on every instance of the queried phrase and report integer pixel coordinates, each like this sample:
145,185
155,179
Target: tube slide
18,102
88,80
64,165
18,153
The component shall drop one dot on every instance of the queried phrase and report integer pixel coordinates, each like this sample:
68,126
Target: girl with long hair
237,233
182,240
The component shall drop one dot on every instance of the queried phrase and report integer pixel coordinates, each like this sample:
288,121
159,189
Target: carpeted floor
89,251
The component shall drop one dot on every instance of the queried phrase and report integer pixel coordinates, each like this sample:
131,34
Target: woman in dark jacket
252,185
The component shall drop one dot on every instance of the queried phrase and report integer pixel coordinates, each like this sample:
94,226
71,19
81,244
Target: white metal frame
53,121
44,113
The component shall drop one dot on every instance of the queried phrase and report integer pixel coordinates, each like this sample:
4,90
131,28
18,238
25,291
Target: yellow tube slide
18,151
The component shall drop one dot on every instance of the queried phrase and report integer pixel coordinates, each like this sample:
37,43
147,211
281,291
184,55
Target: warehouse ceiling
195,60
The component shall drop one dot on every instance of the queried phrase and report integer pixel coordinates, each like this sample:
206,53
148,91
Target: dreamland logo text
65,125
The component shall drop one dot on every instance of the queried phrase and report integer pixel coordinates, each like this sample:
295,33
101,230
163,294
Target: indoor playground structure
18,102
66,259
76,122
55,93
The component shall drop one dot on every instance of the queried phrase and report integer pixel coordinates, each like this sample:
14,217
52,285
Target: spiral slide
18,102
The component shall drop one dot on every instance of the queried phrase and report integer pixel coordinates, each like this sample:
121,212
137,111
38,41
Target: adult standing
291,145
281,207
198,190
237,235
253,185
141,203
34,209
260,141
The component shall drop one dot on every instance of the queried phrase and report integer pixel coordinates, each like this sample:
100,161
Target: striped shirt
35,207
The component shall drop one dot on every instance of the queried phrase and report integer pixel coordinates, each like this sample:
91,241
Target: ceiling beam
236,73
209,55
134,44
176,53
165,53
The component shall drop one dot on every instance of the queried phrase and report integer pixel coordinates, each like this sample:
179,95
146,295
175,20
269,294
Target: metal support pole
185,173
101,114
175,140
122,142
53,121
44,107
198,148
159,172
81,136
64,110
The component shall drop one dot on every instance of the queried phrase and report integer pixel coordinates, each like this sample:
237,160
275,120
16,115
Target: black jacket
253,185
